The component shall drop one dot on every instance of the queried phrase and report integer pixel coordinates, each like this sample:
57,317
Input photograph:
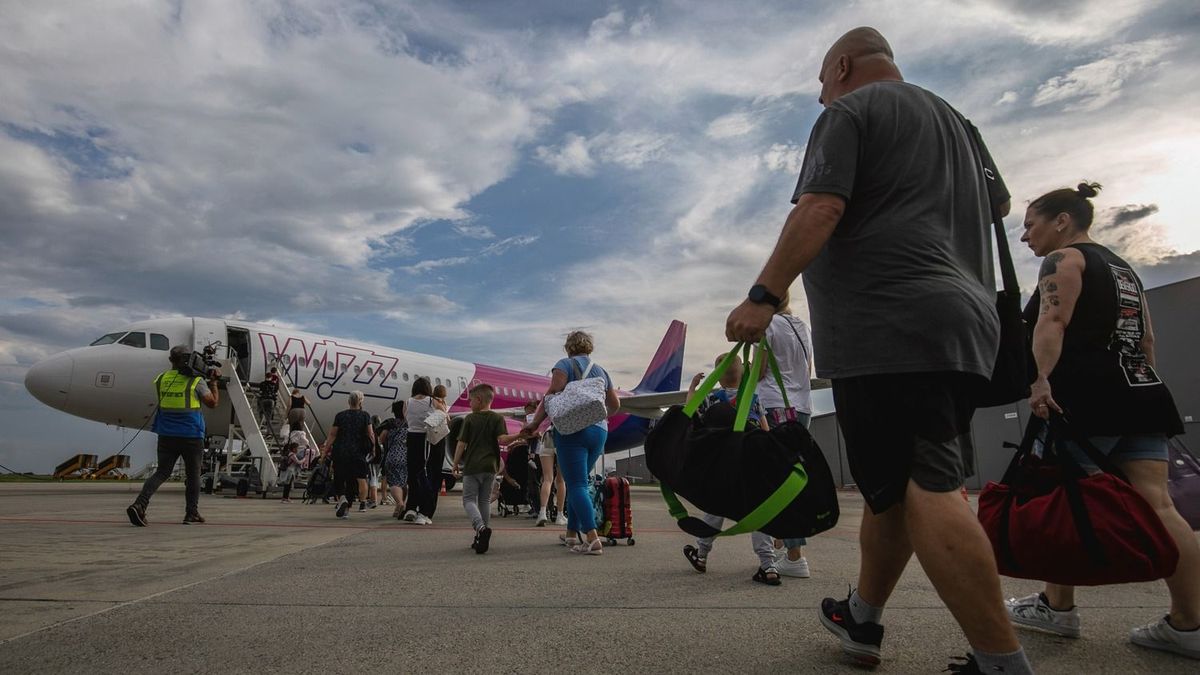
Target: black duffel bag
776,481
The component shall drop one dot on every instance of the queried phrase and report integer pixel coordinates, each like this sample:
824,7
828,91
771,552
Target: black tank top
297,401
1103,379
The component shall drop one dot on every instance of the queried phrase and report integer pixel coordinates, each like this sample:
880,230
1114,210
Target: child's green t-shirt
480,431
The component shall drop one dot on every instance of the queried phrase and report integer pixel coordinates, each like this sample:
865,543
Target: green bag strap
763,514
745,394
710,382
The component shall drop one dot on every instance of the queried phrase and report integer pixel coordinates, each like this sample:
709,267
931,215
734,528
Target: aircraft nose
49,380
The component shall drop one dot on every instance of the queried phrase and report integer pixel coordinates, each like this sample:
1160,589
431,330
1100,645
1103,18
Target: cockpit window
108,339
159,342
134,340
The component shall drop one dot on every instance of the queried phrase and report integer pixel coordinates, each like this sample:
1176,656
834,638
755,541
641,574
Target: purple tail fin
665,372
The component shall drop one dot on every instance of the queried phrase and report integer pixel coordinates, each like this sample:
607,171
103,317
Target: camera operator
180,427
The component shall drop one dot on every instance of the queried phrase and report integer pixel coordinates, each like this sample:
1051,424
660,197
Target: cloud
731,125
581,156
1093,85
274,131
491,250
1007,98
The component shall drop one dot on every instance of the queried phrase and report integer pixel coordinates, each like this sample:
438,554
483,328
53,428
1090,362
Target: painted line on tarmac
331,526
150,597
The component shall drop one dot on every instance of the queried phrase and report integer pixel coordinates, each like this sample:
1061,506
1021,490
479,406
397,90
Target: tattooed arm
1059,282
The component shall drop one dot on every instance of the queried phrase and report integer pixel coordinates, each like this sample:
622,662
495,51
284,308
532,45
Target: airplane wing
651,406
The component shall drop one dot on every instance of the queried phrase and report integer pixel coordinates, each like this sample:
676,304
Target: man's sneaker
343,508
137,515
423,519
485,539
1162,635
371,504
793,568
860,641
193,518
410,516
560,520
362,506
1034,611
541,519
967,665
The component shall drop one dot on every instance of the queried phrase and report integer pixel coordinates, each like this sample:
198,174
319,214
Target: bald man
891,228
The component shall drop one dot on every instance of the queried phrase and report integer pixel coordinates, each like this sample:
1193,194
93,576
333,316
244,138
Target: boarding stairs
262,437
113,466
78,466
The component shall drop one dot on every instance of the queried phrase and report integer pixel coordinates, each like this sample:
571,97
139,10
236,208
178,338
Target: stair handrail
290,384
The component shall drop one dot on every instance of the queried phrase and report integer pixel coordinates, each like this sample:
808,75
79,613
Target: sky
474,180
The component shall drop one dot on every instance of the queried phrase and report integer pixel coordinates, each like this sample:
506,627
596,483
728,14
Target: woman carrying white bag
579,401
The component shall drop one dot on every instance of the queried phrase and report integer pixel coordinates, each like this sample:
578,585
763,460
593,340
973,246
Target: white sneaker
541,519
1033,611
422,519
793,568
560,520
410,516
1162,635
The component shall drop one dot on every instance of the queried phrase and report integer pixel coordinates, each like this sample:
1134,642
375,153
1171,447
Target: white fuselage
112,383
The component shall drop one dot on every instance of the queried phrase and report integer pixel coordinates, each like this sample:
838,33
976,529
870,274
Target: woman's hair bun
1087,190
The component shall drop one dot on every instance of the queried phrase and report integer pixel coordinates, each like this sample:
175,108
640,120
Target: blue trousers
577,454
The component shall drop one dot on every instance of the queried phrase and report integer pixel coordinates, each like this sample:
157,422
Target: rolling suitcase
618,516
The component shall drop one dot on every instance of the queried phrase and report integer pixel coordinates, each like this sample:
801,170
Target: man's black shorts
906,426
349,465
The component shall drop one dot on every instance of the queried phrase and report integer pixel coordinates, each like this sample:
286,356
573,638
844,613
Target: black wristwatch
760,295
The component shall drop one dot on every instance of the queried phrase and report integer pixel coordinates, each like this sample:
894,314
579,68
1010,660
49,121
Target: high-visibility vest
176,391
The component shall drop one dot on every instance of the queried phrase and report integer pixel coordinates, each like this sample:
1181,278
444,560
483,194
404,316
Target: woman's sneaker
1034,611
193,517
423,519
793,568
343,509
541,519
561,520
860,641
1163,636
410,516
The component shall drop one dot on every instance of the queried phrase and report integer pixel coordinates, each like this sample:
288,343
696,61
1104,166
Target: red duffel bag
1049,520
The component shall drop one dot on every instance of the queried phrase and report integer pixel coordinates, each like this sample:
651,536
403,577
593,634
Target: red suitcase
618,516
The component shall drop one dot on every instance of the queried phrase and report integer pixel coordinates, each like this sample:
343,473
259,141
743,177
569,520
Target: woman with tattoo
1094,349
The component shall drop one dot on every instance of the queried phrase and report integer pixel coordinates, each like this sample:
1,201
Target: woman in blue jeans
578,452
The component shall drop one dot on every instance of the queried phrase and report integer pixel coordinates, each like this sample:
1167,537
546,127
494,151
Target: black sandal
768,575
699,562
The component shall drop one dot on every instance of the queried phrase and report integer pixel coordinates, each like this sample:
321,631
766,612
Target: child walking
763,545
477,460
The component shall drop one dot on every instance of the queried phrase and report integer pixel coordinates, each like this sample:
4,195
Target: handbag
1049,520
1183,482
776,481
437,425
1009,382
580,404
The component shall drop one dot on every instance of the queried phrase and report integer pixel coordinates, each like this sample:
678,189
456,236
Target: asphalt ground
267,587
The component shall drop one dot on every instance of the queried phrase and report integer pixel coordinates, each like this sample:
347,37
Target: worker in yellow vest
180,428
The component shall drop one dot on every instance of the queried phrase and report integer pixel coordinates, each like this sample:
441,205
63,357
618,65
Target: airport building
1175,312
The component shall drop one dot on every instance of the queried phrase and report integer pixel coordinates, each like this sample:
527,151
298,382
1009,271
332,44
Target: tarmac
267,587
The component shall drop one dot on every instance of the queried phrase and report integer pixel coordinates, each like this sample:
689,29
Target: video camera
205,362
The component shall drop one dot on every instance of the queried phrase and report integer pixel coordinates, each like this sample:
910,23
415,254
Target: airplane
110,380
